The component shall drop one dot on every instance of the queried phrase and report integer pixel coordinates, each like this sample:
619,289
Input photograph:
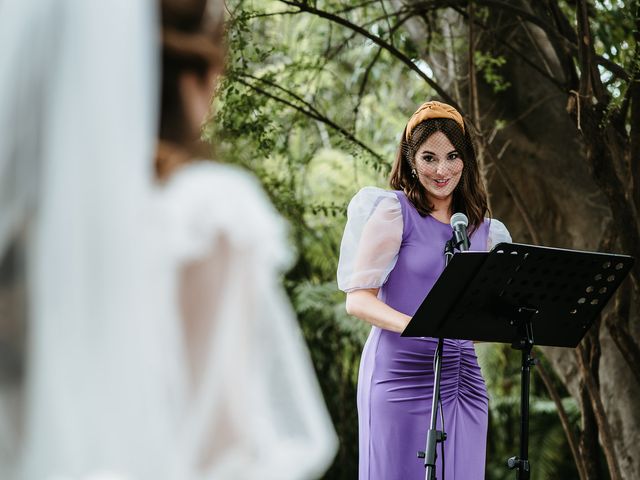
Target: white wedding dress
160,342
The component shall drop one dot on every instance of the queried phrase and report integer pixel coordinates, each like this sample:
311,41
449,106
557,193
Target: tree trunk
545,158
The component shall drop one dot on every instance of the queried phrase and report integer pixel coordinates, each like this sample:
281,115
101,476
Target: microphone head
459,220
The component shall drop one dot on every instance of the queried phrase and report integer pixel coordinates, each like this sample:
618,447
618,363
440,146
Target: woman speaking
391,256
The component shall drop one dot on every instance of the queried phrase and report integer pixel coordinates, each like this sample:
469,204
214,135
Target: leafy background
315,110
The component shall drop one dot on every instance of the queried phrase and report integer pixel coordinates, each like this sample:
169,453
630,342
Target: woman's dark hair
192,41
469,196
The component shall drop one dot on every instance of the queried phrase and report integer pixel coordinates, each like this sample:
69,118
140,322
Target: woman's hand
366,305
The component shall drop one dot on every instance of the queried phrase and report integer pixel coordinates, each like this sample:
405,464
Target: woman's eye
428,158
453,156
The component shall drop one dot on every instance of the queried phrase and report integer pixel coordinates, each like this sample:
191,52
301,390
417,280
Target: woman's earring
413,173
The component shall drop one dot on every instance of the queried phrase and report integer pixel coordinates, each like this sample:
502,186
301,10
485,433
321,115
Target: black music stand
521,295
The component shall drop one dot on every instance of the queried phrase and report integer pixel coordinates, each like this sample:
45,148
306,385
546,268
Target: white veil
107,387
77,119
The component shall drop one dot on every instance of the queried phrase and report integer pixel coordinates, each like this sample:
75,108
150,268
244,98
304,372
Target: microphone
459,223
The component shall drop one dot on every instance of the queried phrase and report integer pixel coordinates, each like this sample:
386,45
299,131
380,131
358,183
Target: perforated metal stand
523,321
503,295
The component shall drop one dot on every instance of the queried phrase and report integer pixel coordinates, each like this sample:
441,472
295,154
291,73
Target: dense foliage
315,97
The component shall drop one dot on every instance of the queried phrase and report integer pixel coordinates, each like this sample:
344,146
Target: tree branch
277,86
589,447
633,94
590,81
313,113
386,17
564,420
273,14
600,415
367,72
521,56
378,41
617,323
601,148
355,7
363,86
474,101
562,36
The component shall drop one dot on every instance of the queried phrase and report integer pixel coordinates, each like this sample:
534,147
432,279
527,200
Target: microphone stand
435,436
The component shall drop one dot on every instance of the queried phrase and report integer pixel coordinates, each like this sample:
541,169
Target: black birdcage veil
440,159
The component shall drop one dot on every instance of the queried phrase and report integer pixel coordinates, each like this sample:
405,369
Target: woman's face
438,166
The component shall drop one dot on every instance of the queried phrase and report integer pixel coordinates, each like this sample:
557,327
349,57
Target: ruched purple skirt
394,405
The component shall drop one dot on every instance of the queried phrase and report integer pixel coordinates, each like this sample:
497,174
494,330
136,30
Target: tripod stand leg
523,467
521,462
433,435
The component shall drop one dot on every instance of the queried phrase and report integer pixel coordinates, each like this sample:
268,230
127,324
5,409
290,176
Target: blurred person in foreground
160,344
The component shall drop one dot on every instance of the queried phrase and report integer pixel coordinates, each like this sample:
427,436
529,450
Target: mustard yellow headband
433,109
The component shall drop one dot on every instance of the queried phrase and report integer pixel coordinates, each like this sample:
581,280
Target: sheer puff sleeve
253,407
371,239
498,233
205,200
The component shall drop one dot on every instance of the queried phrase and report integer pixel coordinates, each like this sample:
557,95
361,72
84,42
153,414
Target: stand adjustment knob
421,454
515,462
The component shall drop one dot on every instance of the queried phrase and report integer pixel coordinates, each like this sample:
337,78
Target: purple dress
396,374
